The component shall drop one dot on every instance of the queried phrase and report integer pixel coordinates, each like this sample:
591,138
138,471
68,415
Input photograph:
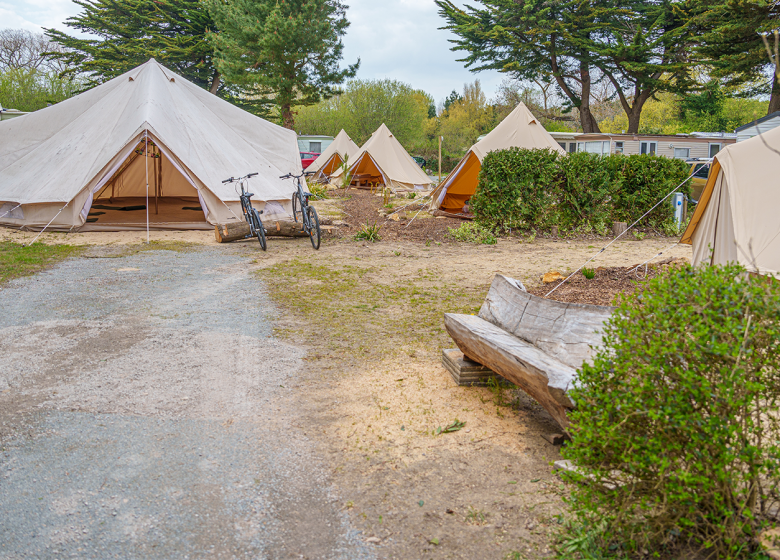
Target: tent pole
146,167
156,179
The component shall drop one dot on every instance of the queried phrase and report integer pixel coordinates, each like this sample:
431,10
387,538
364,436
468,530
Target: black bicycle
251,215
301,208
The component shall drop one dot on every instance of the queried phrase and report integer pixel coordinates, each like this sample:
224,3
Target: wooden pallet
465,372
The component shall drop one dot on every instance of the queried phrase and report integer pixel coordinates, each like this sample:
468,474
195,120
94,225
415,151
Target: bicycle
308,214
251,215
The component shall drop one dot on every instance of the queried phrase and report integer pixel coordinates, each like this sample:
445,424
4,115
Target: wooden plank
543,377
565,331
465,372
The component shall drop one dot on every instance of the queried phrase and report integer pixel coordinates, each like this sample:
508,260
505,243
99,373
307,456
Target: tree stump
231,232
619,228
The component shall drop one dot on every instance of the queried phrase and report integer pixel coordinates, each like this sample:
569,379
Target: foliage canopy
284,53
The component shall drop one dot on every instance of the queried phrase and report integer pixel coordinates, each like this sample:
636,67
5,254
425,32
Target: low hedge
539,189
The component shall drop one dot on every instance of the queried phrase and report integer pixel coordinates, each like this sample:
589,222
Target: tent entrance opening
173,202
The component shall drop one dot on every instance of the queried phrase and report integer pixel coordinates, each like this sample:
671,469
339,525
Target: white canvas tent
148,126
520,129
341,149
737,218
383,160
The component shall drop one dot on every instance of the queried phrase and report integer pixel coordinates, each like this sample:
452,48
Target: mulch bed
606,285
361,207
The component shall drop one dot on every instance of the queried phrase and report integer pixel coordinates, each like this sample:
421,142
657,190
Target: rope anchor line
657,204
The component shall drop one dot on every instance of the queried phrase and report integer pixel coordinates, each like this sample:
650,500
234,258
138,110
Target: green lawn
18,260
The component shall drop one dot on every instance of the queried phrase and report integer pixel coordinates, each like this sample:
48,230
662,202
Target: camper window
648,148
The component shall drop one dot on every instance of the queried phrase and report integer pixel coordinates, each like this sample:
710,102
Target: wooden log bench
535,343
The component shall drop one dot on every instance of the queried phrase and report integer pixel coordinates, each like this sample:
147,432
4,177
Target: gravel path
146,411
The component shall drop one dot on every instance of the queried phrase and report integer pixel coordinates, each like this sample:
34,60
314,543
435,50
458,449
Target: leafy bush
368,232
538,189
589,273
319,192
677,430
516,189
472,232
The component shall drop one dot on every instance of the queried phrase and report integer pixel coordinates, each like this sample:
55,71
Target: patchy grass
17,260
369,312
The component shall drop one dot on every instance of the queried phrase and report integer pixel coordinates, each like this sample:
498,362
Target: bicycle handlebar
291,176
232,179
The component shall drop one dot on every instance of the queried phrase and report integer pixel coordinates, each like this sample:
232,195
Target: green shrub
677,430
516,189
538,189
585,193
368,232
319,192
589,273
472,232
643,181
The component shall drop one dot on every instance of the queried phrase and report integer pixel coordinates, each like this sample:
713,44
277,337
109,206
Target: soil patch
606,284
414,222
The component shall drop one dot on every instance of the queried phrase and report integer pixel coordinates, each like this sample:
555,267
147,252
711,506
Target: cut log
284,229
544,378
568,332
231,232
619,228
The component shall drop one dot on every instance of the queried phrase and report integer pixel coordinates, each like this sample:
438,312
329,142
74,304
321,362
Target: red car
307,158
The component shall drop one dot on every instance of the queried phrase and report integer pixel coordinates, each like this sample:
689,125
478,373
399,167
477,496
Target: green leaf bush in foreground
676,428
538,189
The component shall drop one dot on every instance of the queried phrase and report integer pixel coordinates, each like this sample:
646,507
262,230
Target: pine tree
283,52
640,47
130,32
733,48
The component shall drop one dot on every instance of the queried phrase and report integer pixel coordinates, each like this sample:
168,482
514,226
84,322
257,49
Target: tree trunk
288,117
774,100
587,119
215,82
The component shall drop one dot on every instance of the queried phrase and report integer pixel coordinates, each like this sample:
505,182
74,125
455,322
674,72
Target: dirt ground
370,317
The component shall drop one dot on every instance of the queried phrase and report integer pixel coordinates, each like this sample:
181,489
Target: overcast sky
396,39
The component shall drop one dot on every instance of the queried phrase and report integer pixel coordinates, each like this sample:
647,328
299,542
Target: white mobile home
764,124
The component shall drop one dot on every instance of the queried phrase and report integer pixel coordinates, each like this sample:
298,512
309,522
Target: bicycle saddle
250,194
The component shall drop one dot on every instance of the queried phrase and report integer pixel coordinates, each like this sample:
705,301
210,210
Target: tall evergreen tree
640,47
732,47
130,32
284,52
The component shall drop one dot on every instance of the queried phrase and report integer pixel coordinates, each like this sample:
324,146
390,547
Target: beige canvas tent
382,160
85,163
737,218
341,149
520,129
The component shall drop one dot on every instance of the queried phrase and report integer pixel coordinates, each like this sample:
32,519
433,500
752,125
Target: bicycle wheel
314,230
260,231
296,207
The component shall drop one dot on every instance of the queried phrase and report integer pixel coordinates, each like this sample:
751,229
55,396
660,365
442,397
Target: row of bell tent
149,148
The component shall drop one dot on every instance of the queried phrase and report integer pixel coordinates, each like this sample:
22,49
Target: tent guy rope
47,225
657,204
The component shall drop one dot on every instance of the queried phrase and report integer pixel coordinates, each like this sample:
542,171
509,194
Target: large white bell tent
737,218
520,129
146,149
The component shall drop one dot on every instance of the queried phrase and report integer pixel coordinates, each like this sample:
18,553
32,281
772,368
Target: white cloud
397,39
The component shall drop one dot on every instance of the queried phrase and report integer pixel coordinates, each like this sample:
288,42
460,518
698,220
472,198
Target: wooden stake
440,139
